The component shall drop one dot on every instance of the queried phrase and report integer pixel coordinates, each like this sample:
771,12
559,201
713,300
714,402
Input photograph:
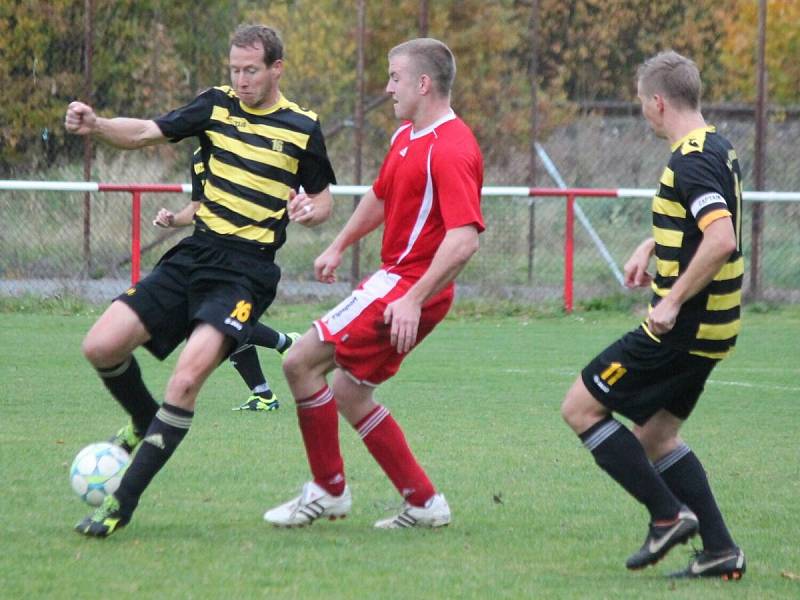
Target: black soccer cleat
661,539
728,565
105,520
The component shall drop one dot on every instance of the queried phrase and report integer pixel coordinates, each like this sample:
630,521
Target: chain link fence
56,242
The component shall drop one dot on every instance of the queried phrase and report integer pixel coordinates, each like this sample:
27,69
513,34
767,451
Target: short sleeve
189,120
315,171
458,177
198,175
699,179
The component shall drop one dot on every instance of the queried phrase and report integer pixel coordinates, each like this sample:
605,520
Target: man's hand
80,119
635,269
310,210
301,208
326,264
165,218
661,319
403,314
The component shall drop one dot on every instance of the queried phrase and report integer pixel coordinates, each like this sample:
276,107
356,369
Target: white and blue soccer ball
97,470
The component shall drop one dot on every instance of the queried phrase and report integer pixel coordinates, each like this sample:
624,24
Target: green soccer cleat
105,520
259,403
127,438
294,336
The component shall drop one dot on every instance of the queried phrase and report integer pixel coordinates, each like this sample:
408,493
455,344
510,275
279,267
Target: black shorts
637,376
202,280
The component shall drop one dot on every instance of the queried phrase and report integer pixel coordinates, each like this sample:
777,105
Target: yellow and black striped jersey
701,183
248,161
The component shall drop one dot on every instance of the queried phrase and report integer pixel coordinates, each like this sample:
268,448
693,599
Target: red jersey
430,181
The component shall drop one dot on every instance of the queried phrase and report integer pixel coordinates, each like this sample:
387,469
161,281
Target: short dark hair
251,35
674,76
432,58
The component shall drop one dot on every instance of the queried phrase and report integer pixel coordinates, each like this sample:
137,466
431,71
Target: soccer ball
97,470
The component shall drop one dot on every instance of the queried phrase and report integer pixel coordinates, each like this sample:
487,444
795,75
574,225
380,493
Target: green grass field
479,401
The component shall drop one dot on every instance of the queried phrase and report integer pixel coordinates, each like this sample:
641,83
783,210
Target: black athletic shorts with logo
637,376
204,279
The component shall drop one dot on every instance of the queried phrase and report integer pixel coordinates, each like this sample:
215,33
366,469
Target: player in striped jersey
258,149
655,374
244,358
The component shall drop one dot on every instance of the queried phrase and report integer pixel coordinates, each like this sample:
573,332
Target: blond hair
673,76
432,58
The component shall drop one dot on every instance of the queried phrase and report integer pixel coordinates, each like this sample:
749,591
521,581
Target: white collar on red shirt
422,132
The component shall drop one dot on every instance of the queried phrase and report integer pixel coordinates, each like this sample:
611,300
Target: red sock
387,444
319,424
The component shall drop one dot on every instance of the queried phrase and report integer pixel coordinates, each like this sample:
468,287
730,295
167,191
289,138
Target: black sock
127,386
245,361
167,430
265,336
683,472
617,451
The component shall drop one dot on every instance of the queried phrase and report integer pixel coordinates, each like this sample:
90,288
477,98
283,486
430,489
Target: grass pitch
479,402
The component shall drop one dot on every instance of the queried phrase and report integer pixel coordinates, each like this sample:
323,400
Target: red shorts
355,326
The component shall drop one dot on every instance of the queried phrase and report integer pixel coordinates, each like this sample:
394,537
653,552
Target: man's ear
425,84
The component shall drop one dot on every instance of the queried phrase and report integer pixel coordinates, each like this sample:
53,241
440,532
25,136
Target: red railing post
136,235
569,248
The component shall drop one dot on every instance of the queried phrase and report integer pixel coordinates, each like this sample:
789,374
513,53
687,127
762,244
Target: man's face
403,86
255,83
652,110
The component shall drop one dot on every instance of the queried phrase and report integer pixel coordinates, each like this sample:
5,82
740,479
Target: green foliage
152,55
612,303
739,52
67,304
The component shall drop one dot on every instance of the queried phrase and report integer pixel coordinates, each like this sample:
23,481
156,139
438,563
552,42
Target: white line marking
782,388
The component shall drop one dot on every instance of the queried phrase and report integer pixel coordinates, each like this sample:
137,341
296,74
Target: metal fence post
569,249
136,236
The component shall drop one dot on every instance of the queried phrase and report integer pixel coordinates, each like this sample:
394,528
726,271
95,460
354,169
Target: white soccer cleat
435,513
313,503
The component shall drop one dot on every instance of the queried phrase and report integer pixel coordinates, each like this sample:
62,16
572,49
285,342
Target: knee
183,384
580,410
656,444
570,411
294,367
100,352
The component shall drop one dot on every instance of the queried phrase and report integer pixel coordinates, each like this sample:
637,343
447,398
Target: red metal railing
569,229
136,191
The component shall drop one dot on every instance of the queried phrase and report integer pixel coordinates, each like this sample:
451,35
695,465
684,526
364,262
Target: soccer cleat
313,503
294,336
127,438
661,538
727,565
256,402
435,513
105,520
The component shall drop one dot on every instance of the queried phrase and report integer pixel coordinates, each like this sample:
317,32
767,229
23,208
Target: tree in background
739,57
153,54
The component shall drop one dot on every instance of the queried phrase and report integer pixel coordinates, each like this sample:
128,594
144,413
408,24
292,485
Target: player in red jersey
427,197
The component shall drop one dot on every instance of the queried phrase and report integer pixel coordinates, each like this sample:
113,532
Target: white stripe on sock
373,421
602,434
316,401
666,461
